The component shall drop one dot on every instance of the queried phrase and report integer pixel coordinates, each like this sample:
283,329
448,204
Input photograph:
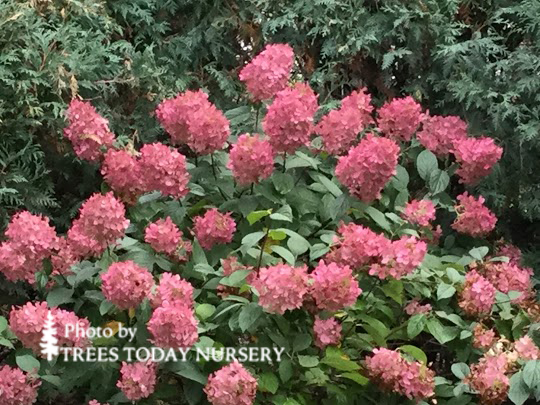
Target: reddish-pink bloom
63,258
489,380
366,169
164,170
214,228
478,295
414,308
231,384
172,289
339,129
121,171
173,325
507,277
419,212
88,131
476,157
17,387
400,118
327,332
269,71
138,380
289,120
473,217
527,349
67,324
281,287
192,119
251,159
483,338
511,251
165,237
399,258
334,286
126,284
94,402
439,134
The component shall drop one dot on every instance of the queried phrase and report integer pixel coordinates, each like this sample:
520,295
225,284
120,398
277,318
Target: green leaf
283,182
189,371
438,181
318,250
256,216
378,217
268,382
205,311
416,325
415,352
426,163
445,291
531,373
105,307
460,370
443,334
336,359
330,185
394,290
52,379
249,315
297,243
519,392
5,342
276,234
236,279
356,377
59,296
27,362
301,342
284,253
283,214
308,361
479,253
285,370
198,255
3,324
251,239
401,179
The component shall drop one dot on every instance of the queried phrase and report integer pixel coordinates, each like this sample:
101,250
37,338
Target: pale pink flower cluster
399,258
483,338
366,169
489,380
190,118
414,308
29,240
88,131
138,380
476,157
527,349
231,385
121,171
289,120
251,159
439,134
69,337
281,287
214,228
340,128
126,284
17,387
102,221
507,277
334,286
419,212
63,258
394,373
269,71
400,118
473,217
173,325
172,288
165,237
327,332
478,295
94,402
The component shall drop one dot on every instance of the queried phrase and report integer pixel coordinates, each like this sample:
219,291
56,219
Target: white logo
49,342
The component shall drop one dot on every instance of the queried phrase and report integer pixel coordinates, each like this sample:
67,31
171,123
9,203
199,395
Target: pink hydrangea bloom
68,337
121,171
489,380
476,157
172,288
214,228
17,387
94,402
393,373
63,258
474,218
527,349
334,286
126,284
483,338
399,258
507,277
366,169
327,332
281,287
511,251
400,118
164,170
138,380
289,120
339,129
192,119
419,212
414,308
269,71
29,240
165,237
439,134
251,159
478,295
88,131
231,384
173,325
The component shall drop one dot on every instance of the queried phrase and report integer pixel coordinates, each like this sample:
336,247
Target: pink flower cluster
121,171
511,251
88,131
327,332
394,373
231,384
281,287
29,240
334,287
414,308
419,212
192,119
507,277
489,380
439,134
366,169
173,289
251,159
165,237
289,120
476,157
478,295
138,380
527,349
126,284
400,118
474,218
63,258
94,402
339,128
214,228
399,258
16,387
173,325
483,338
269,71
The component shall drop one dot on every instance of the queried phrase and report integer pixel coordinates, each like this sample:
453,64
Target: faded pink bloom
94,402
173,325
63,258
419,212
399,258
126,284
414,308
121,171
476,157
527,349
507,277
214,228
138,380
489,380
251,159
231,384
400,118
68,337
439,134
165,237
172,289
478,295
334,287
327,332
483,338
17,387
474,218
511,251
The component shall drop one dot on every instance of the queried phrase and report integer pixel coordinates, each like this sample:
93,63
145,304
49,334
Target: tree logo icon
49,342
